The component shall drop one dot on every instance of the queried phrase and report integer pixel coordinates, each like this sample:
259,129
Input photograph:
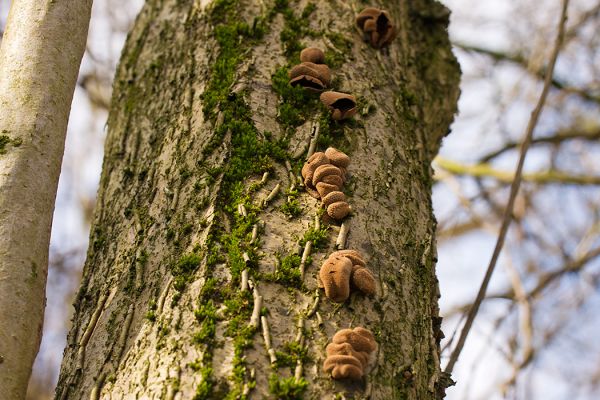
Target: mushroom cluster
324,175
312,73
376,26
349,352
343,269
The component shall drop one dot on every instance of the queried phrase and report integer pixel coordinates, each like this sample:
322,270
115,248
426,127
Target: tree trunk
201,110
39,61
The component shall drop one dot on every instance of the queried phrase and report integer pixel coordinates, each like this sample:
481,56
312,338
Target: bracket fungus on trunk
344,270
312,74
324,178
349,353
377,27
341,105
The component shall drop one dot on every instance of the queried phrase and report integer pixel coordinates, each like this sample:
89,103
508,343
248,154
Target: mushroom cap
309,82
333,197
342,366
313,55
370,25
335,277
337,158
339,210
346,349
353,255
363,279
324,170
320,72
360,338
314,161
342,105
336,180
325,188
365,15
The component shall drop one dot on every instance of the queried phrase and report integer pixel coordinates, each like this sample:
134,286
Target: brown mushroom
316,160
313,55
335,277
346,349
342,367
342,105
311,76
377,26
339,210
337,158
360,338
363,280
325,188
336,180
332,198
324,170
353,255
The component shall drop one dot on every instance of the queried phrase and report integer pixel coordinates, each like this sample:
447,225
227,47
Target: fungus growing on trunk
349,352
342,105
376,26
360,276
335,278
312,55
311,76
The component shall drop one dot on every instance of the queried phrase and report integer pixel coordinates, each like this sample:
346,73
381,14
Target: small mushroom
311,76
360,338
346,349
337,158
353,255
325,188
342,367
336,180
335,277
342,105
331,198
316,160
313,55
325,170
339,210
377,26
363,280
349,353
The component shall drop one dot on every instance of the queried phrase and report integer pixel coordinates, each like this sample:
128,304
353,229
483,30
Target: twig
244,283
242,210
315,305
340,243
89,330
305,255
267,338
514,189
314,138
255,318
254,233
273,193
264,178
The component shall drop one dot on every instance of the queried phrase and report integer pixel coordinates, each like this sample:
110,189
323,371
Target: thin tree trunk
201,111
39,61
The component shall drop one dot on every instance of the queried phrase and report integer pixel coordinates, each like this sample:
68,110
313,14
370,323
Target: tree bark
201,111
39,61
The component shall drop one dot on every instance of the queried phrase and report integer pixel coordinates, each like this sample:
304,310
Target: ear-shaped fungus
377,26
322,177
361,278
312,55
335,277
348,354
311,76
342,105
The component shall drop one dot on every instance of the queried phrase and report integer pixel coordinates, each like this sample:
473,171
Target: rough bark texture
39,61
201,109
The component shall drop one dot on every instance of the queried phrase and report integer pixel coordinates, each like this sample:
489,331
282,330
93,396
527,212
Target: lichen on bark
184,242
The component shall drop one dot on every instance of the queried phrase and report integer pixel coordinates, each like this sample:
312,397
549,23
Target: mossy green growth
6,140
318,237
288,272
287,388
291,208
182,271
293,352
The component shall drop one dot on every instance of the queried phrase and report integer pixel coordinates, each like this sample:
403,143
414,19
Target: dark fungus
342,105
376,26
311,76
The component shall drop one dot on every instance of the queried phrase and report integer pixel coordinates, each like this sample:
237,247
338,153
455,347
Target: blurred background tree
535,335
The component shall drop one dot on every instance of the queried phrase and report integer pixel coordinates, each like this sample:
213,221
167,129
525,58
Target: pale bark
163,194
39,60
